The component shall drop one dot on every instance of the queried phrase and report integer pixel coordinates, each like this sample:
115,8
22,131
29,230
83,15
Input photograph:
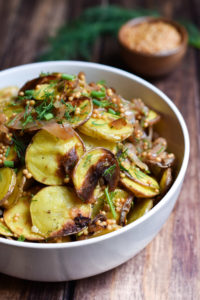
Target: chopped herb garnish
102,82
97,94
21,238
87,160
43,74
29,119
19,147
8,163
139,174
160,150
12,121
48,116
109,200
7,151
97,124
29,93
43,109
109,171
68,76
113,112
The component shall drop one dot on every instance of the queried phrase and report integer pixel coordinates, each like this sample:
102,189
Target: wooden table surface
169,267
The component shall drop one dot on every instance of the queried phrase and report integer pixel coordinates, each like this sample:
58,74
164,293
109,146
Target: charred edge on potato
95,172
72,226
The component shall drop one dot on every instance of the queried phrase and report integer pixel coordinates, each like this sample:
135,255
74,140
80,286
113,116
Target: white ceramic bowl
75,260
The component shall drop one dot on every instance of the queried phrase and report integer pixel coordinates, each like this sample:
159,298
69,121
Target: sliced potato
4,230
56,211
18,219
139,209
152,117
95,164
7,183
7,95
44,91
18,190
85,107
48,157
91,143
110,127
166,181
118,195
142,185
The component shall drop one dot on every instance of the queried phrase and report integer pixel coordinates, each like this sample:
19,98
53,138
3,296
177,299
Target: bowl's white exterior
59,262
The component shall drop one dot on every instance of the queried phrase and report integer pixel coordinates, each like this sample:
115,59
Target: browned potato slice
139,209
142,185
7,183
95,164
4,230
18,190
56,211
91,143
166,181
18,219
110,127
49,158
78,111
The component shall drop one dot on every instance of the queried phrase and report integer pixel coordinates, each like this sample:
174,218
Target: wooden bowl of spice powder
152,46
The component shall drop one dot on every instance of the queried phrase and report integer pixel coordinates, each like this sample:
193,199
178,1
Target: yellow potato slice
45,91
46,155
56,211
118,195
140,209
142,185
4,230
18,190
91,143
18,219
85,110
12,154
7,183
103,128
152,117
166,180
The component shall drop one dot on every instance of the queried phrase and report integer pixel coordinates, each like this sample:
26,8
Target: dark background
169,268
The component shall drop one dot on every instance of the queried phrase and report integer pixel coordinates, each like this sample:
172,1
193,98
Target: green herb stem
112,208
8,163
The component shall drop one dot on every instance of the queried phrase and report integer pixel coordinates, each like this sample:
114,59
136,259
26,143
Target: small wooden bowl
152,65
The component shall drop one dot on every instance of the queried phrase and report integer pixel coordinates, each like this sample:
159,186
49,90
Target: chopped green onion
68,76
102,82
110,203
98,94
96,102
113,112
8,163
98,124
21,238
48,116
7,151
29,92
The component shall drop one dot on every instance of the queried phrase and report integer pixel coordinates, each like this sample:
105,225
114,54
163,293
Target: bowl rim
159,205
135,21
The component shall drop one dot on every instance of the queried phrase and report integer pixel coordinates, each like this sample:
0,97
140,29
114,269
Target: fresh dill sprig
110,203
76,39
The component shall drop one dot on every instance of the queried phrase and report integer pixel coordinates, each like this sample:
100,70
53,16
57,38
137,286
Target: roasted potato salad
77,160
